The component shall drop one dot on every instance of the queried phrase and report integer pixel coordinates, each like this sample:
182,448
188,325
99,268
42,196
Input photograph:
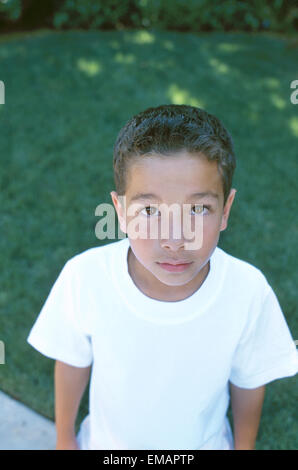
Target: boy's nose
182,234
172,244
173,238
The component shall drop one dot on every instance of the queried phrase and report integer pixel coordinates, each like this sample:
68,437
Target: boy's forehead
151,178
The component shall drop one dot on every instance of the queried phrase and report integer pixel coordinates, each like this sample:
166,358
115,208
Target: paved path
24,429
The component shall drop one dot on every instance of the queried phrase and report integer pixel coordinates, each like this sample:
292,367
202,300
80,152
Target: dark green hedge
183,15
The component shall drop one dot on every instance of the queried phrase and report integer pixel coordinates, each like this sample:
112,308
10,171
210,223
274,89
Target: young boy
172,333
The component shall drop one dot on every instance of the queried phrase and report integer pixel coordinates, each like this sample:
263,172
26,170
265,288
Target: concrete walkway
24,429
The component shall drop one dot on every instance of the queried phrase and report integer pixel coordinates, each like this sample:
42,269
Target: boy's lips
174,262
175,266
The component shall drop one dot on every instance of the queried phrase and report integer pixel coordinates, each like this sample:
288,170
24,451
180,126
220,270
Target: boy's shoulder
240,271
97,256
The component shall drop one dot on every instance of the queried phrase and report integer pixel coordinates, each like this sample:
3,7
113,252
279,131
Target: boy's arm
246,409
70,384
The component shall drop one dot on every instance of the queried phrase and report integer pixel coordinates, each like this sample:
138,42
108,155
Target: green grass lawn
67,96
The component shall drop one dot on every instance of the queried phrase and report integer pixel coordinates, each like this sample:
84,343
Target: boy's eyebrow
153,196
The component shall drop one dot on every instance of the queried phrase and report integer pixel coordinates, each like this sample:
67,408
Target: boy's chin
173,279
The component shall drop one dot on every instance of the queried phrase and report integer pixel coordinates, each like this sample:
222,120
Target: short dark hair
169,129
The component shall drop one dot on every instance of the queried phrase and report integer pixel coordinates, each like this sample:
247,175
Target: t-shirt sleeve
58,331
266,351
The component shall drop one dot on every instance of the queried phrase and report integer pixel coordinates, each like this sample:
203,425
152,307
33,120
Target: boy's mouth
175,266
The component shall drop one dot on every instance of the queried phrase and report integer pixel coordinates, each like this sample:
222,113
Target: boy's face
172,180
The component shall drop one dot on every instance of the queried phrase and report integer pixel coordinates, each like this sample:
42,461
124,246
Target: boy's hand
67,444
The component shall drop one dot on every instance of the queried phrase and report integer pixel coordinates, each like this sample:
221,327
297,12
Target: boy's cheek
137,228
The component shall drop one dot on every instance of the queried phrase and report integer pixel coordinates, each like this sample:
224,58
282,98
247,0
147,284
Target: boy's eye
199,208
149,210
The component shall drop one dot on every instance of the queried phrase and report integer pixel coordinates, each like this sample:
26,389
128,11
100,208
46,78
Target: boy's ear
120,206
227,208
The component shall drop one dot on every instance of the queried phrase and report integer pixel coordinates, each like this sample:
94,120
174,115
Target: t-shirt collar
165,312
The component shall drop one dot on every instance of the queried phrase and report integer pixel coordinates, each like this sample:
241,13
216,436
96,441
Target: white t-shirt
160,370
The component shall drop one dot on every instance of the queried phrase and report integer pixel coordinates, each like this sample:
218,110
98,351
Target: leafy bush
96,14
203,15
10,10
27,14
185,15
